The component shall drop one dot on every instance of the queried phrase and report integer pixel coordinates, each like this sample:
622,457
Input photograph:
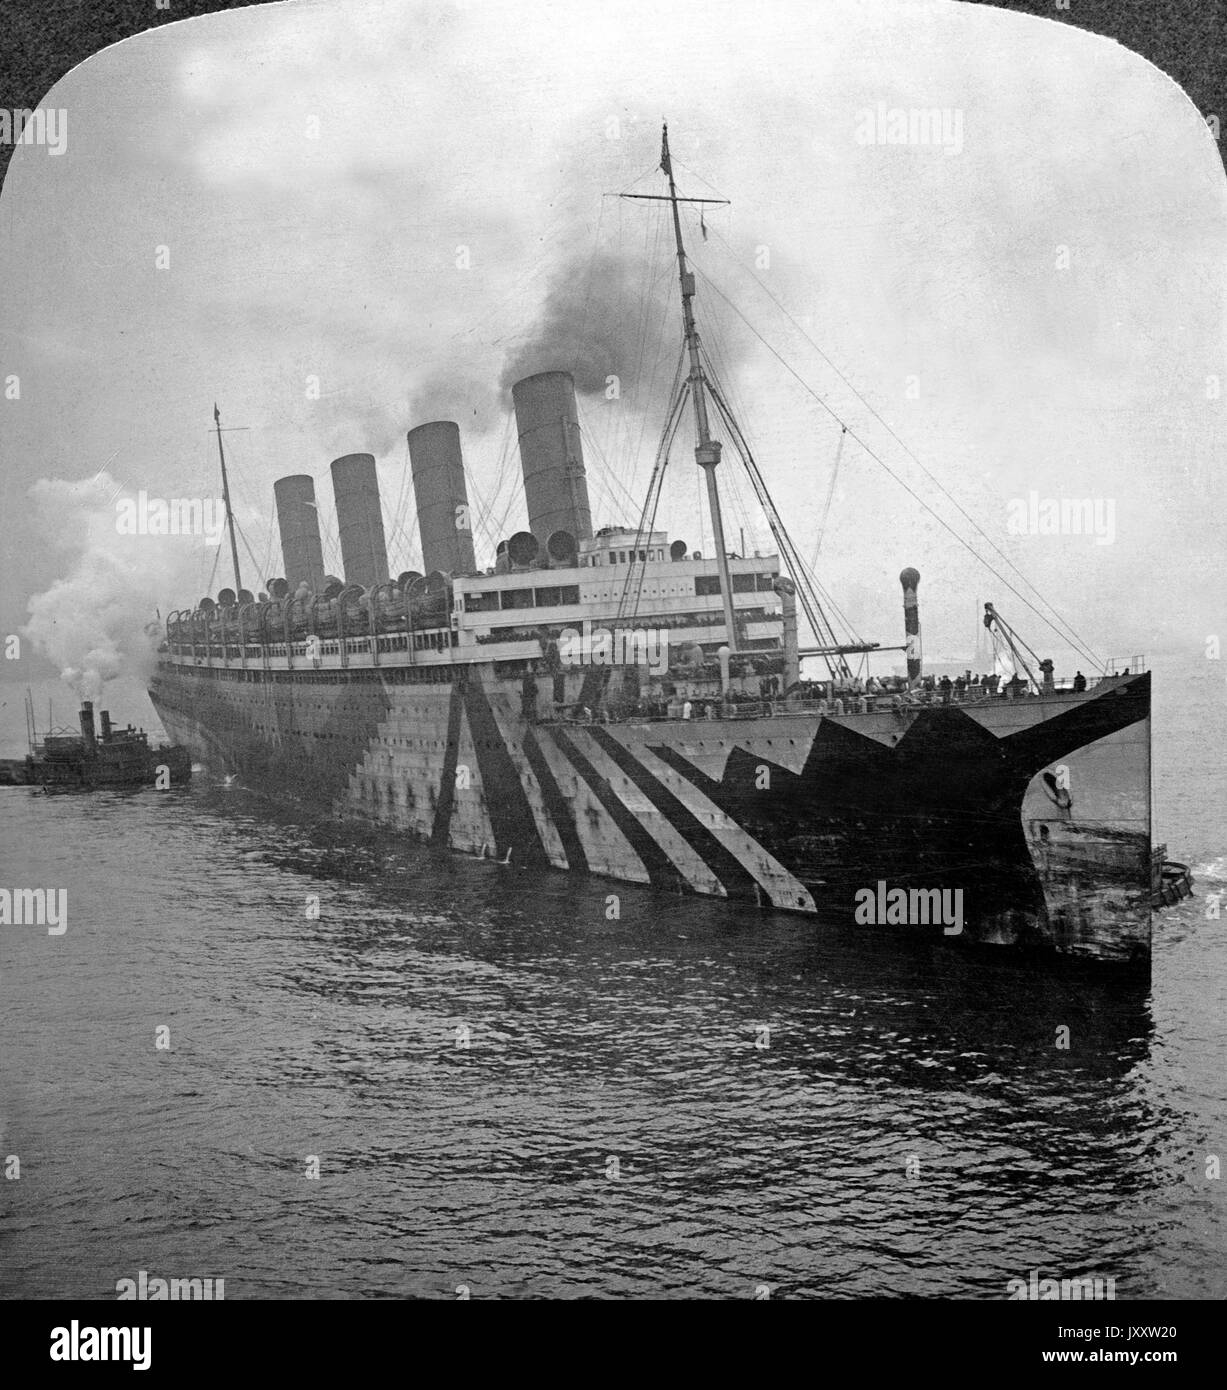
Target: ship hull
1019,823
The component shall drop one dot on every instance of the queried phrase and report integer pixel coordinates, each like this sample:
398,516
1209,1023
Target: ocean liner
613,703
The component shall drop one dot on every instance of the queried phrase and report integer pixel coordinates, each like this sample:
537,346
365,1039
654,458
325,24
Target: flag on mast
664,149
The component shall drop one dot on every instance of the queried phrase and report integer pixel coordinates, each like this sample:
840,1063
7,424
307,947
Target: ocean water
509,1092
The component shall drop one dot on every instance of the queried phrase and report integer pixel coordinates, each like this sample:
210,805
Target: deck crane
993,619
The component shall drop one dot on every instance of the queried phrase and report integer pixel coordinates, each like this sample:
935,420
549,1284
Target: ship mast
234,549
707,450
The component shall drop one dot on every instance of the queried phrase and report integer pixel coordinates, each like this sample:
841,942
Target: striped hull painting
1036,813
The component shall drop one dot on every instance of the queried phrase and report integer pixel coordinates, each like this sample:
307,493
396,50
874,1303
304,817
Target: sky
341,220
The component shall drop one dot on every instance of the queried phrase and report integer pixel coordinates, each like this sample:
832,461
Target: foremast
707,454
707,449
221,454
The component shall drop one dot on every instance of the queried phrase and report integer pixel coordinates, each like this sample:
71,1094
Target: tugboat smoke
97,621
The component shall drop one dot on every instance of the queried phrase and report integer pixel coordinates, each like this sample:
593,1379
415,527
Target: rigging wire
486,503
1070,635
238,530
628,606
240,485
621,435
627,504
826,509
712,348
213,572
509,473
1073,638
806,592
664,312
803,575
398,512
614,493
268,558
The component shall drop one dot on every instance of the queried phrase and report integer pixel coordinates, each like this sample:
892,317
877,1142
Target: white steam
100,620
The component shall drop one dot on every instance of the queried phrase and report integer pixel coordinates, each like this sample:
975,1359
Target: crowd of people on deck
848,695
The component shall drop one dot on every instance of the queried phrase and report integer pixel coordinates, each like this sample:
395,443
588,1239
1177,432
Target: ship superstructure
610,701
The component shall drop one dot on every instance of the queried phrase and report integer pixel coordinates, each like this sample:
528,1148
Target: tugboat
110,757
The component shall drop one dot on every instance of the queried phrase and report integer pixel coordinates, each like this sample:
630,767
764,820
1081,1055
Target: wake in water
1213,872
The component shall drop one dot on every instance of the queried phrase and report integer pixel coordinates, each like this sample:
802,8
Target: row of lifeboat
411,602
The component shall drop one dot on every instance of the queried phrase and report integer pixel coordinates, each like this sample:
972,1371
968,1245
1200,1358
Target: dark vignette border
44,39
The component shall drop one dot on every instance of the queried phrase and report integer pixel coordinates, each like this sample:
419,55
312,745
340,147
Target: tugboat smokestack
910,579
87,725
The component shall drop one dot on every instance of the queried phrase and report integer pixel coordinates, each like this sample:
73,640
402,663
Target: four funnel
555,490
